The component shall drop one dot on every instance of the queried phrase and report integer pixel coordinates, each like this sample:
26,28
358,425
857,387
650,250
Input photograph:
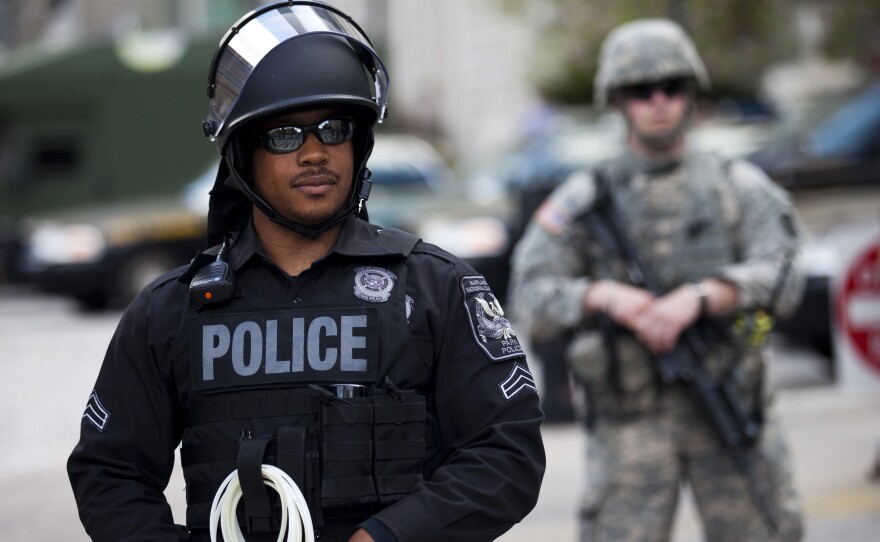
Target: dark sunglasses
284,139
644,91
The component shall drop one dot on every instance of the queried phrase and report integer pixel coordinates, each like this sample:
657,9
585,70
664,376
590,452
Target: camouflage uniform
691,219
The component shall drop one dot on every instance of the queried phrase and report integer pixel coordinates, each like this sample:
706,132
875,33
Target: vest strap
257,506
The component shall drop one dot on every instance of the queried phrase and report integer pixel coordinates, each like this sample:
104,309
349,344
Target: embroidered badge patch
491,330
95,412
373,283
519,379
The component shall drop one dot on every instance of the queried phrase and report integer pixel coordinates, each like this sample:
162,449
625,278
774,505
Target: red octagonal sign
858,305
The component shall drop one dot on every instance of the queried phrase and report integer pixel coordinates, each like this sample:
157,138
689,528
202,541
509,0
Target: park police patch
491,330
373,283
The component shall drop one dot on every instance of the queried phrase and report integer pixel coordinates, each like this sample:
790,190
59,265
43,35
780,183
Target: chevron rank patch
490,329
95,412
519,379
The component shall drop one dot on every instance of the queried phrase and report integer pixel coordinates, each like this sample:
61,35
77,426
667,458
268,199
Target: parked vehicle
104,255
836,144
829,159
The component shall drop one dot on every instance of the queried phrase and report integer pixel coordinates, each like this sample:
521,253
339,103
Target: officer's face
310,184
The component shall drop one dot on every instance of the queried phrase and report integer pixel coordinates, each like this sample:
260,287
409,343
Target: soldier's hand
623,303
659,327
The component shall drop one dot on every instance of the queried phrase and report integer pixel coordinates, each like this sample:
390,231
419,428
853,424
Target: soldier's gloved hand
623,303
659,326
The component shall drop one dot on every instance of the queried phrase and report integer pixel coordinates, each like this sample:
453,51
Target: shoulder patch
554,218
491,330
560,210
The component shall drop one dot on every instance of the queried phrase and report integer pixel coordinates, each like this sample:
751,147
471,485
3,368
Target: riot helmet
282,57
646,51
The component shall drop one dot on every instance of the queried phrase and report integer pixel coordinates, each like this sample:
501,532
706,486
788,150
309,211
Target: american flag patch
519,379
552,217
95,412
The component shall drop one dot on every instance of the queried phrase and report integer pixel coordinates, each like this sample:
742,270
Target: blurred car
415,190
103,256
828,157
10,246
836,143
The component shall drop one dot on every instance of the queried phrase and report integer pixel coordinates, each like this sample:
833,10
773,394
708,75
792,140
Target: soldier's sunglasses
284,139
644,91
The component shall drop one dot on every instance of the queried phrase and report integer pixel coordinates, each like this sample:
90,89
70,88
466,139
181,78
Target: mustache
308,174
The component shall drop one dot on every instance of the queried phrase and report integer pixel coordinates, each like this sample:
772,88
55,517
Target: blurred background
104,175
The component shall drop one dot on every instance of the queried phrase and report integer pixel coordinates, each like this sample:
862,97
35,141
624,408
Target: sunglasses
284,139
645,91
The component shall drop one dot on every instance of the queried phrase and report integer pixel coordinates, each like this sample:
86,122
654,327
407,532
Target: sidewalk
833,436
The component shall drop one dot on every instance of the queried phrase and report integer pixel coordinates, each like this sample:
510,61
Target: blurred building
459,72
794,85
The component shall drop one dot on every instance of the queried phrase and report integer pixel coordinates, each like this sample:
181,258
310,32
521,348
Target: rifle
733,425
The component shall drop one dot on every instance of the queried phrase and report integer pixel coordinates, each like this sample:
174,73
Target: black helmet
284,56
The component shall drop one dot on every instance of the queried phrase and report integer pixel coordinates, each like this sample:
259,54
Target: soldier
376,370
721,240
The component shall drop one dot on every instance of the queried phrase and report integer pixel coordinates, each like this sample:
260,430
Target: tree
737,39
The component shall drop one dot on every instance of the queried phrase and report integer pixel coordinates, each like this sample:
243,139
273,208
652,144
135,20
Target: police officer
721,240
379,372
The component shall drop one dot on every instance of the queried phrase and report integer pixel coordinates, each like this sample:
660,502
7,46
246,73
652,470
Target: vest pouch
587,358
639,385
347,453
399,439
624,386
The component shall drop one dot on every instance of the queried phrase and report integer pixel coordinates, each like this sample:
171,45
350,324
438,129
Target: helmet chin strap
312,231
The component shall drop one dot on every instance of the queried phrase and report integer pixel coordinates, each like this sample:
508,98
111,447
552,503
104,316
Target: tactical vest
272,387
679,230
685,221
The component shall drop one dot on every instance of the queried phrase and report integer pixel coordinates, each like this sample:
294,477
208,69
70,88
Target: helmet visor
256,34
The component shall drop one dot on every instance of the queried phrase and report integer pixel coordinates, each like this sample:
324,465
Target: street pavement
50,354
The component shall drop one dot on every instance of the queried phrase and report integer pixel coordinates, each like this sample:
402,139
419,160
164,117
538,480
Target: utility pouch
347,453
373,448
399,439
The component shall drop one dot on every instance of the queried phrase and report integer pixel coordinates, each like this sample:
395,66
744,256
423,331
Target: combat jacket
690,219
417,328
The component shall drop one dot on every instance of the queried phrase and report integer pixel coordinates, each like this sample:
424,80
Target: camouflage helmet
643,51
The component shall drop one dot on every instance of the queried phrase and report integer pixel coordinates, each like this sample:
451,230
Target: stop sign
858,305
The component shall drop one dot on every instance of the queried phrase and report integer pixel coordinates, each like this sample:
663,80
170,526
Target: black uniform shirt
481,394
